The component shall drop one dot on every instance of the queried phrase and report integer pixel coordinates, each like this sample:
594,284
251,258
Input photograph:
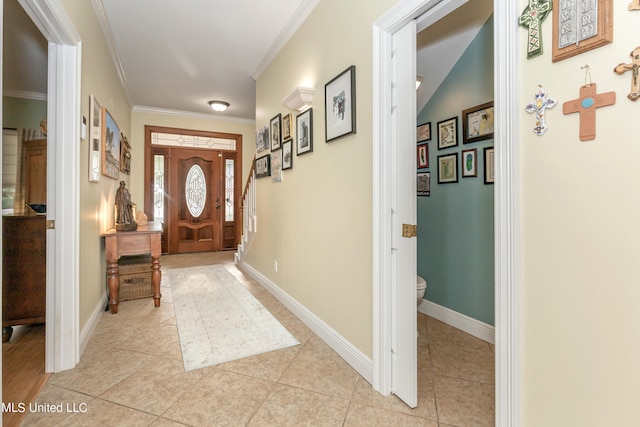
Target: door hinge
409,230
51,224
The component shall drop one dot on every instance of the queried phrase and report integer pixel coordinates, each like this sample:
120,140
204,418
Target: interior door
194,203
404,380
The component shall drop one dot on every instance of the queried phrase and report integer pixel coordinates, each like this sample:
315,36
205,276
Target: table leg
156,276
113,282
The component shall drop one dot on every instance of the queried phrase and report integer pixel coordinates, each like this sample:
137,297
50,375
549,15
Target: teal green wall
455,223
22,113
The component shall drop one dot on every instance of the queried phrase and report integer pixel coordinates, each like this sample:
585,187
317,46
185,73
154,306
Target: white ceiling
176,56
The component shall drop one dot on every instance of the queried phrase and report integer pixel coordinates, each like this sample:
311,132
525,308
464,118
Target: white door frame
506,200
62,350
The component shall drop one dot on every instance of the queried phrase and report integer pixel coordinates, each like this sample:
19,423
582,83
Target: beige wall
581,241
140,119
317,222
96,199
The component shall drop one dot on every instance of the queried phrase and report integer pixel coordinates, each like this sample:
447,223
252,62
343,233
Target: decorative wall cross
531,18
634,5
586,105
541,102
634,67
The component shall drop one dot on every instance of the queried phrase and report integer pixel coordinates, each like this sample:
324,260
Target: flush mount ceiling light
300,98
219,106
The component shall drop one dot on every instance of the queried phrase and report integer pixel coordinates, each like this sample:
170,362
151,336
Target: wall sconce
219,106
299,99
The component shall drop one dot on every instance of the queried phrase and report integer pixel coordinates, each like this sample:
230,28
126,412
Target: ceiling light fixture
300,99
219,106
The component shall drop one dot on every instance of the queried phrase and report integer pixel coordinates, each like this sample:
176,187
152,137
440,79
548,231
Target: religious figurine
124,210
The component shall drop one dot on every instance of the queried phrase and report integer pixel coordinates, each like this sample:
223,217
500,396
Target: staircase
249,219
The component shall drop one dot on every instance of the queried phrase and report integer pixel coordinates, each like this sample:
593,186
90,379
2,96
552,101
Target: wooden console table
145,240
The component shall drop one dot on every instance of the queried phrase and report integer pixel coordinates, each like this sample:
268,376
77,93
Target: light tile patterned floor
131,374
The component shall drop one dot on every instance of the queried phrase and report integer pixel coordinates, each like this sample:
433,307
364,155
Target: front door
194,205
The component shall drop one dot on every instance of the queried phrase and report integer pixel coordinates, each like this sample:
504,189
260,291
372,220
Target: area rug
219,320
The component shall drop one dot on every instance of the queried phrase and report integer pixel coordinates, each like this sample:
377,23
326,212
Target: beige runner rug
219,319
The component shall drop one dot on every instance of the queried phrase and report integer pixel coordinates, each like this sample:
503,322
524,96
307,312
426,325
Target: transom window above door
192,141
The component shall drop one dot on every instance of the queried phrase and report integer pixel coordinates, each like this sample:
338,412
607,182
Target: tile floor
131,374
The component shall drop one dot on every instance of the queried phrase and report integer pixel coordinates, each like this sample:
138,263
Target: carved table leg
156,276
113,282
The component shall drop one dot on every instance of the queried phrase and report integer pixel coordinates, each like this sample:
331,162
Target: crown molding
23,94
298,18
111,45
178,113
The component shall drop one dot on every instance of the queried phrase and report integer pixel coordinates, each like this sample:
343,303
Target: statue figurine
124,211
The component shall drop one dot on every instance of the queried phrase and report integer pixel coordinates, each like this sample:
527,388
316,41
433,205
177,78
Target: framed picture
579,26
287,154
448,168
276,165
262,139
477,123
448,133
304,132
488,165
125,155
424,184
263,166
95,138
110,146
424,132
423,156
469,163
286,127
276,133
340,105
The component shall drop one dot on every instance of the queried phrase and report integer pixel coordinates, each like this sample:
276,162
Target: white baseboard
353,356
90,326
459,321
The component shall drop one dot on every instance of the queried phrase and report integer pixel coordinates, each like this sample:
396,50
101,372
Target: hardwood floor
23,373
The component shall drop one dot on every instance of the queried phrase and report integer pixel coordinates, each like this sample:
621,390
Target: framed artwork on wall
423,156
488,166
276,134
423,132
579,26
477,123
110,146
424,184
448,133
287,154
95,139
448,168
125,155
469,163
286,127
340,105
304,132
263,166
262,139
276,165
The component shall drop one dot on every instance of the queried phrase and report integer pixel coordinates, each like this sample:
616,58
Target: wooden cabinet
23,271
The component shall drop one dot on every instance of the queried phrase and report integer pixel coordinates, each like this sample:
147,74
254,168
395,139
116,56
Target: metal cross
541,102
634,67
532,16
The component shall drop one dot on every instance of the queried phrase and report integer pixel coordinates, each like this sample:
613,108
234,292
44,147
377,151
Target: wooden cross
586,105
634,5
532,16
540,103
634,68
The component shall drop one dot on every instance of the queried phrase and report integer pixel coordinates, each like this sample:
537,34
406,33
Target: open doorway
506,220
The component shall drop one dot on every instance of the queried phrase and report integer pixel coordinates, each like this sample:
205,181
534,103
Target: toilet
421,287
